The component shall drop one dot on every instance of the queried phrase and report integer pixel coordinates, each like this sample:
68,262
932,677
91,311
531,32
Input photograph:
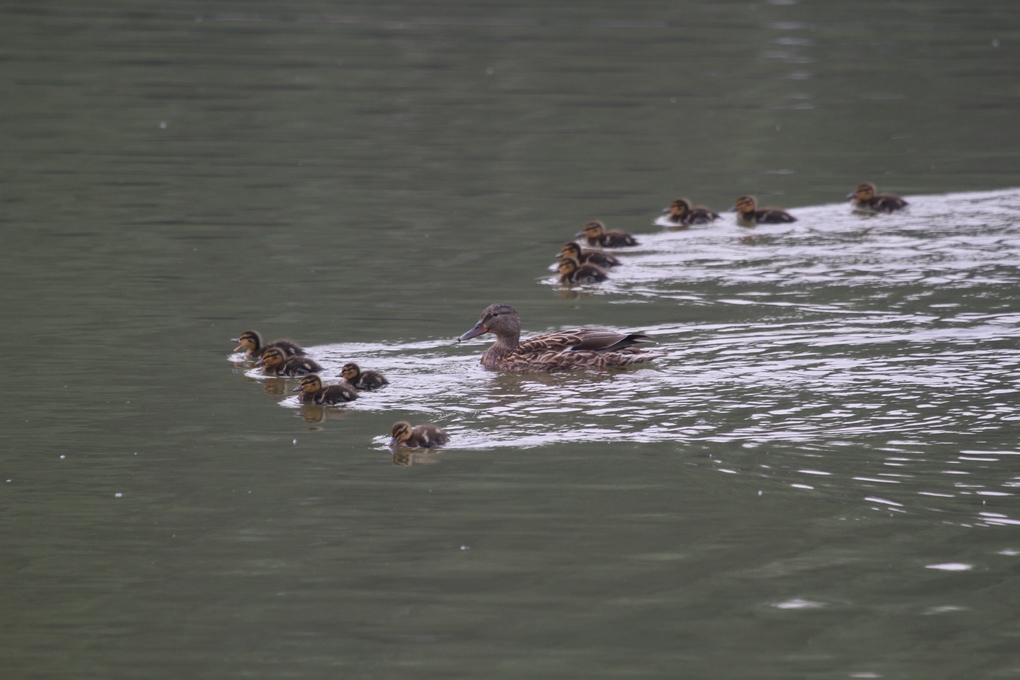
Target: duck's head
678,208
593,230
400,433
250,341
350,372
311,384
864,192
570,249
499,319
568,266
745,204
273,356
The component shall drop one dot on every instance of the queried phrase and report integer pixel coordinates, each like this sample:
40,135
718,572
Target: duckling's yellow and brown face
570,250
249,341
310,384
400,433
746,204
500,319
568,266
679,208
350,372
272,357
593,230
865,192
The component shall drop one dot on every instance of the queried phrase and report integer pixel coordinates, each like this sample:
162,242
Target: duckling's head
678,208
745,204
311,383
864,192
568,266
500,319
250,341
593,229
570,249
273,356
400,433
350,372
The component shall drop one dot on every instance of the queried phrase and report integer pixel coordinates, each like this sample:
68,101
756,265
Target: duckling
251,343
681,213
313,392
748,213
596,257
275,361
865,199
580,348
596,235
572,271
363,380
417,437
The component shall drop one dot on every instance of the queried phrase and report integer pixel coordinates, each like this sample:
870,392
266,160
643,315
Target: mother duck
576,349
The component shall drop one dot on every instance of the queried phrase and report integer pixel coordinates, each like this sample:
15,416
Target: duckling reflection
362,380
681,214
275,362
596,235
599,258
418,436
314,392
251,343
407,457
572,271
749,214
867,200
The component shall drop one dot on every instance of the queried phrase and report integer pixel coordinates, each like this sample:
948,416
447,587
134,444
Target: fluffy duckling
597,257
681,213
572,271
596,235
363,380
314,392
275,361
866,199
417,437
580,348
251,343
749,214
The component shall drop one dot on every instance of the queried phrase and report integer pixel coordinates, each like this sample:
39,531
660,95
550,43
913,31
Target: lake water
819,478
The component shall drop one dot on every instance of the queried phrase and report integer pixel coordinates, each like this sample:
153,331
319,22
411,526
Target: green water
817,480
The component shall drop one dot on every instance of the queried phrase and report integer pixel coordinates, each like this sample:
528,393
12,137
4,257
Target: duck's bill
559,255
239,347
393,443
479,329
733,208
580,233
666,210
297,389
851,195
260,363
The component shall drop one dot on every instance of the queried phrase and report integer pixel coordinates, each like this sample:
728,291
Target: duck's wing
578,340
774,216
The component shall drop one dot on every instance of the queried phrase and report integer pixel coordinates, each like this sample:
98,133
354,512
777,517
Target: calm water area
819,478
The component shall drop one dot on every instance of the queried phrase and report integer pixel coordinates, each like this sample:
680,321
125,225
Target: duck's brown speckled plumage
251,343
597,257
576,349
362,380
749,214
867,199
596,235
275,361
417,436
572,271
682,213
314,392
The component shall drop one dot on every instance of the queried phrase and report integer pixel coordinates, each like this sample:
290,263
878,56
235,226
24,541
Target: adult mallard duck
682,214
580,348
866,199
418,436
749,214
572,271
314,392
275,361
596,257
362,380
595,233
251,343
